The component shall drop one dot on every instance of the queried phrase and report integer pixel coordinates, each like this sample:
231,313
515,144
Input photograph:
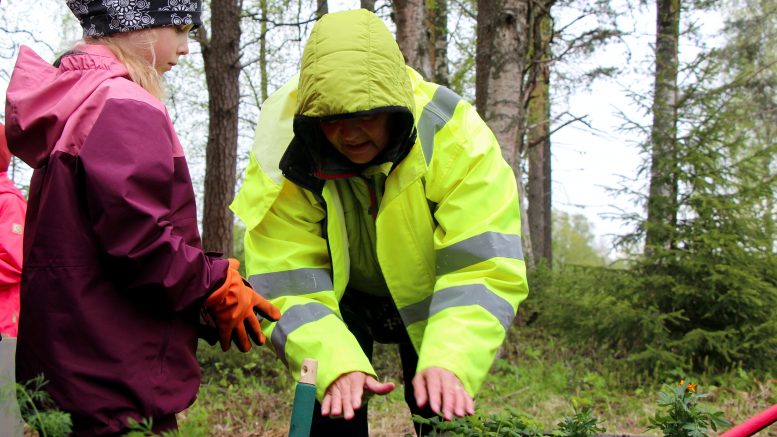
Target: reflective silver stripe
476,249
291,282
292,319
434,116
461,295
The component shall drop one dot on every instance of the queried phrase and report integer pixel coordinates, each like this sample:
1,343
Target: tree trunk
437,25
263,50
412,37
322,8
221,55
500,61
538,136
368,5
662,197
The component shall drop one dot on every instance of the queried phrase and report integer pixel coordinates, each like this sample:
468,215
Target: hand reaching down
444,392
345,394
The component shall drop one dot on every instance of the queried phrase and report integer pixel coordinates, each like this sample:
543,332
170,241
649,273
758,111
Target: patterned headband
104,17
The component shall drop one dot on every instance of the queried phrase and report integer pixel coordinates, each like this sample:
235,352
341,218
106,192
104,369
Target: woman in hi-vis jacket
378,207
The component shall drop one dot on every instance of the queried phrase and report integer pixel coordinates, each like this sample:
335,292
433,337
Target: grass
251,394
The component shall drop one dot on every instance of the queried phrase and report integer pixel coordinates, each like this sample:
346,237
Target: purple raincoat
113,271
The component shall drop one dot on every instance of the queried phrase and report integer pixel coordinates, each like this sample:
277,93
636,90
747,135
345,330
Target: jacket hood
351,66
41,98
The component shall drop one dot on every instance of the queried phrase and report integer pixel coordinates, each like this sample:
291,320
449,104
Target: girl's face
359,139
170,42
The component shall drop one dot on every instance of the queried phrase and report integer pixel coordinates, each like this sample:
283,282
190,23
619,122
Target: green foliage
39,411
712,279
241,368
581,424
507,424
238,390
601,309
573,241
144,428
537,375
698,313
681,415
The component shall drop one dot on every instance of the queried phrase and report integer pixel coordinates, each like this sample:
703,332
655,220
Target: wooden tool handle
308,373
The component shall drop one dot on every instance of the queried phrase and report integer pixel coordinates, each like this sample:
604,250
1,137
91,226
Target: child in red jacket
12,210
115,279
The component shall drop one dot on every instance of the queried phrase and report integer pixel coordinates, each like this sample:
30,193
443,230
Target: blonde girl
115,283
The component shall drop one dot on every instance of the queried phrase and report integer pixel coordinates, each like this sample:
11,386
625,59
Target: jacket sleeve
140,202
12,209
480,271
287,261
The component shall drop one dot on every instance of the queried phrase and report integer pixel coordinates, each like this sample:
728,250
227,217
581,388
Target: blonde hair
130,49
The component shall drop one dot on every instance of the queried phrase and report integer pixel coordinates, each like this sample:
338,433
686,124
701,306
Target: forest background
643,134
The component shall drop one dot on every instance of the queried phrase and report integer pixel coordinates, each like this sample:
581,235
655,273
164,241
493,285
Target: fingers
463,404
339,397
254,329
454,399
469,405
448,393
241,338
349,386
346,394
459,405
419,390
225,339
266,309
326,404
444,392
434,392
331,404
336,408
356,396
378,388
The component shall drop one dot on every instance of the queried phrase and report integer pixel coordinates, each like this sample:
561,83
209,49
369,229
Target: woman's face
359,139
170,42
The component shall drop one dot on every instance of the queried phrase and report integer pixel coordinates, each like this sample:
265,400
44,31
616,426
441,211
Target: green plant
582,424
681,415
39,411
508,423
145,428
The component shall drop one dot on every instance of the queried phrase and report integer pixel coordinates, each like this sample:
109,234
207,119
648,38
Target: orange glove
232,307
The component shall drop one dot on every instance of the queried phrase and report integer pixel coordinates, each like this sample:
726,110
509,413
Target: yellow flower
681,383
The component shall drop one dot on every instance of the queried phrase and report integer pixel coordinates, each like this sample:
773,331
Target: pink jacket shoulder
12,210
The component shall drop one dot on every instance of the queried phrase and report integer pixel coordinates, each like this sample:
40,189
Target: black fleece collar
310,159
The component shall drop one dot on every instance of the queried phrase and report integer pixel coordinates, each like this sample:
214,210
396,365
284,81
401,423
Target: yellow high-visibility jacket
448,227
